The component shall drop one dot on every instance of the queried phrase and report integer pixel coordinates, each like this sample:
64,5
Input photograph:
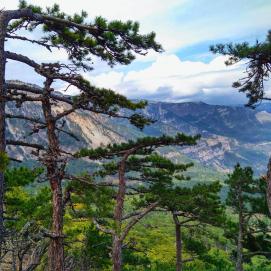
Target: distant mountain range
230,134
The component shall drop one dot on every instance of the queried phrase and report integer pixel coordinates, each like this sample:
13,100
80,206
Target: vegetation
248,200
131,207
258,70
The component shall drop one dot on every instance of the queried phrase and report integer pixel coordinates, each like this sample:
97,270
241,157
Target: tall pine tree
113,42
258,71
246,196
139,171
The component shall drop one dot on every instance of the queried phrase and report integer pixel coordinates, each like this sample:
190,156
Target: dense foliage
131,207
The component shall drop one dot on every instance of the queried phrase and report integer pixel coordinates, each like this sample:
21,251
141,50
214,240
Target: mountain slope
229,134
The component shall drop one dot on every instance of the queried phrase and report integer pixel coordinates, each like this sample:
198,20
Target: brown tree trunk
56,248
116,253
179,262
268,190
178,236
118,213
3,26
5,17
239,260
20,264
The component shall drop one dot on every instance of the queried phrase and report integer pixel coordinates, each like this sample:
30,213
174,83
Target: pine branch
141,145
102,228
25,144
136,219
44,44
42,126
75,102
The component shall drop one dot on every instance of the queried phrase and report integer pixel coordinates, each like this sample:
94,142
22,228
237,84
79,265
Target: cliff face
88,128
229,134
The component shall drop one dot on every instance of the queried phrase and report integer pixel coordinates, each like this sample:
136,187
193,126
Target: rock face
229,134
88,129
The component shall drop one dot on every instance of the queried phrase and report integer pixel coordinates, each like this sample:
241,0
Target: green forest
126,204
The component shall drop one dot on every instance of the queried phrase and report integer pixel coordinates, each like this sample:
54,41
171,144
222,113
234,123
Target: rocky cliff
229,134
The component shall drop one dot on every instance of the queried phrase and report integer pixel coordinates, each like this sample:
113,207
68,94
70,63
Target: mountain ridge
230,134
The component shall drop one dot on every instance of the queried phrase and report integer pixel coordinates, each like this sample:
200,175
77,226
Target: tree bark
116,253
268,190
118,213
239,260
56,248
3,26
179,262
178,236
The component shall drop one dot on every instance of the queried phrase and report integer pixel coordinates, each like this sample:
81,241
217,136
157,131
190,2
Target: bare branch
25,144
136,219
101,228
44,44
37,255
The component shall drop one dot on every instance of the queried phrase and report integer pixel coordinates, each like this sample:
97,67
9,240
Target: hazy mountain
229,134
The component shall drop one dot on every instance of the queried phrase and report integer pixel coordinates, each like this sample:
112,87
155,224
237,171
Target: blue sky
186,71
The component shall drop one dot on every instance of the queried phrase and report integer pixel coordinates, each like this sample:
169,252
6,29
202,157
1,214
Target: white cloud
117,9
181,78
178,23
110,80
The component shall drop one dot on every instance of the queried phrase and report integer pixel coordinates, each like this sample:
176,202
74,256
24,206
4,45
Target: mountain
230,134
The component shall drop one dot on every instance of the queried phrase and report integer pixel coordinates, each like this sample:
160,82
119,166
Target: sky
186,70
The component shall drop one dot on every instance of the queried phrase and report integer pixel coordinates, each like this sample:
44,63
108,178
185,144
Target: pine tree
191,207
113,42
24,219
246,197
258,66
258,71
139,171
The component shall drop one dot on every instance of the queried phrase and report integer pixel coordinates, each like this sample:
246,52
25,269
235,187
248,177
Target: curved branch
25,144
47,46
43,125
101,228
137,219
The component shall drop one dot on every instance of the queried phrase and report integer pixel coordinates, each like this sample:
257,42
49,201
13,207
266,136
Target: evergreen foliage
258,66
118,212
247,198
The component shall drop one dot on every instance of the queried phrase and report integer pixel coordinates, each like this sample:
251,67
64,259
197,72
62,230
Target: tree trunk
268,190
179,260
56,248
118,213
178,236
116,253
3,26
5,17
20,264
239,260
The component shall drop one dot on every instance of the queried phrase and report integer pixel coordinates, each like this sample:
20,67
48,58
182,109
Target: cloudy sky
186,71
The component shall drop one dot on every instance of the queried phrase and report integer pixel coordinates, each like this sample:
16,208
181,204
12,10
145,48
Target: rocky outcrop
229,134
